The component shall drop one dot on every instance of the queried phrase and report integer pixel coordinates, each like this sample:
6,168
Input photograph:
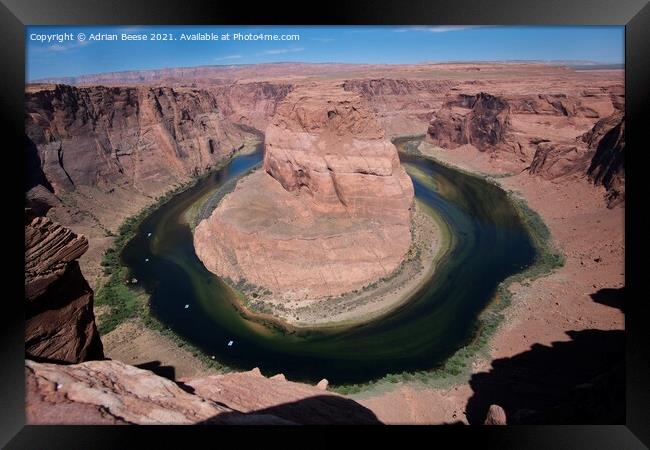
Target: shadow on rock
317,410
156,367
614,298
581,381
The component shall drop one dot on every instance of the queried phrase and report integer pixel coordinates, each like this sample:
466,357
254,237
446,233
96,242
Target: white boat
229,343
148,234
146,260
187,306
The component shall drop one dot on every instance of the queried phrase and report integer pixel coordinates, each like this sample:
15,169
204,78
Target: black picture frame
633,14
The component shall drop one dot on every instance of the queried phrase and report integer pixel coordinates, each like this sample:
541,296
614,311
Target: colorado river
489,243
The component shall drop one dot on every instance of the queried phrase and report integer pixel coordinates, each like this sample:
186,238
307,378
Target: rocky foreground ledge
114,393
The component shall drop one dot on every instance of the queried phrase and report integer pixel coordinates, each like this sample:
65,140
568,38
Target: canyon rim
293,204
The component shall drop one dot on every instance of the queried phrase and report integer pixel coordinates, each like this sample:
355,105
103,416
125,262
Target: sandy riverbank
545,314
134,343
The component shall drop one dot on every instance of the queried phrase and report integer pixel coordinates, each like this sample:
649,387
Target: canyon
102,149
69,380
331,191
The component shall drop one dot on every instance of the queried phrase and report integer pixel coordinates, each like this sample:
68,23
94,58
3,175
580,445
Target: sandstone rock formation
146,137
40,200
330,211
555,160
104,153
402,105
59,319
248,392
607,166
495,416
105,150
482,121
111,392
99,153
543,130
598,154
553,104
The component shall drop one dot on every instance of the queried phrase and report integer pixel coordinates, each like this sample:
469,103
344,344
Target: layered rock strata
114,393
147,138
500,126
59,319
330,211
607,166
97,155
103,155
598,154
481,120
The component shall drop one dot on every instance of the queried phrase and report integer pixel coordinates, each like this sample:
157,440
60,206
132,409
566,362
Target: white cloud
221,58
282,50
435,29
59,47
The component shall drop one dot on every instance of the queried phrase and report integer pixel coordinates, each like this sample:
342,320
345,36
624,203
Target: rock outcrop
108,146
148,138
402,106
330,211
552,160
59,318
587,105
481,120
598,154
250,392
525,128
111,392
607,166
495,416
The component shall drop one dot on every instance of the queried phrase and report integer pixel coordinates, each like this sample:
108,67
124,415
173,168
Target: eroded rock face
495,416
402,106
482,122
556,160
144,137
607,166
330,147
599,154
329,212
59,319
111,392
104,153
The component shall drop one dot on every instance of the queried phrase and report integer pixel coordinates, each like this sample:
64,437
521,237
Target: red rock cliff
59,319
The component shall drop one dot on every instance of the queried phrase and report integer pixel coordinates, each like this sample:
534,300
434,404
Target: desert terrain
333,195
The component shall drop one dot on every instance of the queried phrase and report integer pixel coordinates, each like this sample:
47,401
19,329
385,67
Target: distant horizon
57,55
560,62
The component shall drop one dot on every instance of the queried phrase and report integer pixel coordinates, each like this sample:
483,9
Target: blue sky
360,44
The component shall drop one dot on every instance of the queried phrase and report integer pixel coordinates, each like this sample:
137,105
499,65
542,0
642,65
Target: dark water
489,244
